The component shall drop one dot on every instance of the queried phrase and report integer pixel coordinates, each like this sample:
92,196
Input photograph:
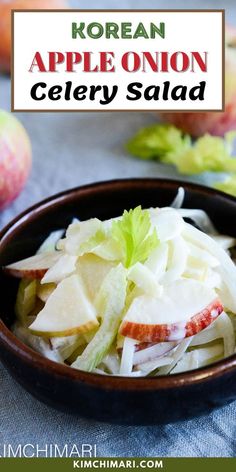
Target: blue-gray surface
91,147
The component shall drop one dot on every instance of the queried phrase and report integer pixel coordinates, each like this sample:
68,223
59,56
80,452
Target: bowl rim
18,348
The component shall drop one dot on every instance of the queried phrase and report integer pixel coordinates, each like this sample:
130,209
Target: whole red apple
216,123
15,158
5,23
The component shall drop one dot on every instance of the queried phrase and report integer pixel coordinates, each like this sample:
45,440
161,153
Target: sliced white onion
157,261
233,320
144,278
176,356
206,354
167,222
178,254
126,364
99,371
207,335
152,352
227,269
179,199
202,255
201,218
226,297
135,373
37,343
65,346
196,269
189,361
226,242
213,279
197,358
112,362
226,330
150,366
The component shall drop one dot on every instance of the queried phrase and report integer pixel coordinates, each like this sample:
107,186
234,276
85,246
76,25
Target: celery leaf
133,235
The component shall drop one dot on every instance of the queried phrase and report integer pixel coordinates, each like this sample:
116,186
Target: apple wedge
64,267
34,267
67,311
44,291
185,308
88,265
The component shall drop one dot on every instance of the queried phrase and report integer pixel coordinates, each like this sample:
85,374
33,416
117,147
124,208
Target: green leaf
132,235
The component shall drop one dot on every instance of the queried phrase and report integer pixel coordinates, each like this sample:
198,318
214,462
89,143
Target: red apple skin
5,23
34,274
141,346
216,123
34,267
198,124
150,333
15,158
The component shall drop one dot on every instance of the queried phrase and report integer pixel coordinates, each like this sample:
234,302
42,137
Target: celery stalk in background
169,145
207,154
228,186
157,141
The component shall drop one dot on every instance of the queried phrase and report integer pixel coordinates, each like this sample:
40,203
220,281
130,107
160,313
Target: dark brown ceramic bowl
112,399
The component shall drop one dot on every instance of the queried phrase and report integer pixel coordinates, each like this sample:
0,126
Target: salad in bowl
149,293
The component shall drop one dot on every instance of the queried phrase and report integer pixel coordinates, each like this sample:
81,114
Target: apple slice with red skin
34,267
186,308
150,334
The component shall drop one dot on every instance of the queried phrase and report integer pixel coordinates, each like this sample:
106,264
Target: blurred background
74,149
69,150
